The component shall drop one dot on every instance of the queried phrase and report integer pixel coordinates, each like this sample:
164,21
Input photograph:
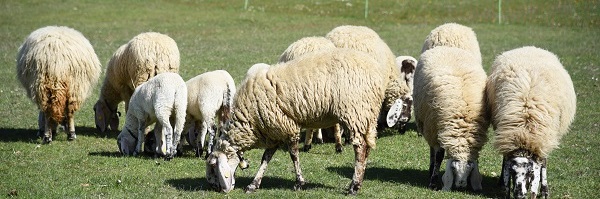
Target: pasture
215,35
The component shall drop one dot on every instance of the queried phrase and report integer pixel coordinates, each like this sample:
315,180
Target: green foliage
222,35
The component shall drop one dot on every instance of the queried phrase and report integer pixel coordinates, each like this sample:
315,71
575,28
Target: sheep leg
141,135
294,154
50,129
211,139
535,179
267,155
201,138
41,124
308,136
361,152
501,178
544,179
337,133
71,134
506,177
319,134
436,156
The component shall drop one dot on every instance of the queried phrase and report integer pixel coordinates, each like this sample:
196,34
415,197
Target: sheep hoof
319,141
298,185
46,140
199,153
306,148
250,188
433,186
71,136
339,149
353,189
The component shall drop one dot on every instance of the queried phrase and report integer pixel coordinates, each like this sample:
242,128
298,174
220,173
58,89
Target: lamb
299,48
533,103
162,99
453,35
365,39
210,95
142,58
450,113
318,90
58,68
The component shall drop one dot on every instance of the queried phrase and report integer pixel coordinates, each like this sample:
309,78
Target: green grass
221,35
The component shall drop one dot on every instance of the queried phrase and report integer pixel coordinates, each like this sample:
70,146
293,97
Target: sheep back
532,101
313,91
304,46
58,68
208,92
450,105
142,58
366,40
453,35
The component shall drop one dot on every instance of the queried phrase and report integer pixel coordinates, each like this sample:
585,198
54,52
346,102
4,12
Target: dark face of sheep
220,170
457,173
104,116
525,174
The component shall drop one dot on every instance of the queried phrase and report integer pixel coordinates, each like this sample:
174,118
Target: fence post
246,4
499,11
366,8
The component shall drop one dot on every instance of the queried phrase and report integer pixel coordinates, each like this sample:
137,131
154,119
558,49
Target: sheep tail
54,99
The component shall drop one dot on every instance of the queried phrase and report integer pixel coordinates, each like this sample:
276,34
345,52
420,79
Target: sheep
532,104
297,49
365,39
318,90
453,35
162,99
210,95
401,111
142,58
450,113
58,68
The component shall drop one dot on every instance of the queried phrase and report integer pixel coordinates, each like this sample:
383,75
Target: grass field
222,35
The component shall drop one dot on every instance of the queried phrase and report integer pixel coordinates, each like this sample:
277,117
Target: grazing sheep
58,68
453,35
450,113
162,99
401,111
142,58
318,90
532,102
299,48
366,40
210,95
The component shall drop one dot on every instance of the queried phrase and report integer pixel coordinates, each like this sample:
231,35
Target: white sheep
532,102
142,58
299,48
210,96
453,35
450,113
58,68
161,100
313,91
366,40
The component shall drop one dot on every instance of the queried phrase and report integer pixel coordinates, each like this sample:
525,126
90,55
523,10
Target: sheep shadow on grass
268,183
417,178
30,135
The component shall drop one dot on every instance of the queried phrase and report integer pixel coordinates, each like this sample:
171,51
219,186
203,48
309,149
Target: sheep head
457,173
104,116
524,170
221,165
127,141
400,113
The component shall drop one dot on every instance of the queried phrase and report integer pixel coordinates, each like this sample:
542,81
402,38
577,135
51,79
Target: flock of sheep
349,79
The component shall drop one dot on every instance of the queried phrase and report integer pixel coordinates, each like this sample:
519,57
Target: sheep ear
394,113
99,117
448,177
476,178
